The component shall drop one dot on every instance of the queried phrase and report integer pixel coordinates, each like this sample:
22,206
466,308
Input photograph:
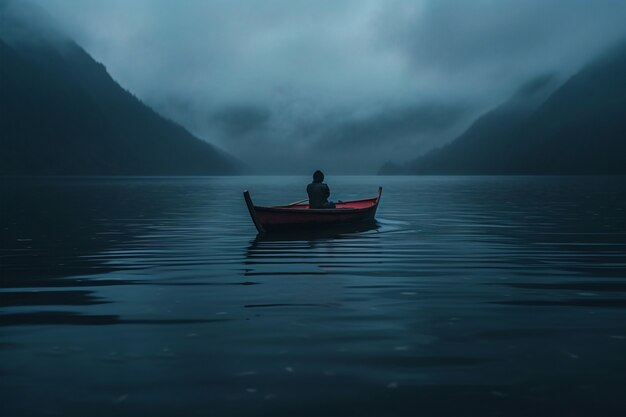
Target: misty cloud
542,83
27,23
270,81
240,120
392,124
488,44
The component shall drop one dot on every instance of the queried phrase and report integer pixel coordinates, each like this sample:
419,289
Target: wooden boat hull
299,216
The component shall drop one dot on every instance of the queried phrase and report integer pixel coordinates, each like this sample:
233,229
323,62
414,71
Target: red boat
298,215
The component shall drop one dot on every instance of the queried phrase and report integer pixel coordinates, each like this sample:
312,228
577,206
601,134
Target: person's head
318,176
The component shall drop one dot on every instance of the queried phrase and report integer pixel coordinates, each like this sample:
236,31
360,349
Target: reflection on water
470,296
322,250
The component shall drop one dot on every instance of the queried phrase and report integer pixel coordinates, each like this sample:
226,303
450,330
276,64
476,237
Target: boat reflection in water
347,231
313,251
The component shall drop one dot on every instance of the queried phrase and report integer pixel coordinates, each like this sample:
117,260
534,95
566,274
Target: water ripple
468,288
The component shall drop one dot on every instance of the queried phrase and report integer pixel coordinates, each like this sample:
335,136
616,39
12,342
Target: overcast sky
289,85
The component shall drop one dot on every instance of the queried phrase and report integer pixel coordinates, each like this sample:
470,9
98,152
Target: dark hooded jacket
318,195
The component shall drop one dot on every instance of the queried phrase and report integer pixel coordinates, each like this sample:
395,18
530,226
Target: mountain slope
61,113
579,129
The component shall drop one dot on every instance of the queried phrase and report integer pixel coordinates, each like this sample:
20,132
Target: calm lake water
472,296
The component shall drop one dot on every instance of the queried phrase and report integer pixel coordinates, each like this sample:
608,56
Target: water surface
471,296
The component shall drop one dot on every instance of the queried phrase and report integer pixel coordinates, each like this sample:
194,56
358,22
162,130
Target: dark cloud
358,77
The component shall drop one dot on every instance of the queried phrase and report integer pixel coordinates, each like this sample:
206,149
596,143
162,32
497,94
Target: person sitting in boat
319,192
